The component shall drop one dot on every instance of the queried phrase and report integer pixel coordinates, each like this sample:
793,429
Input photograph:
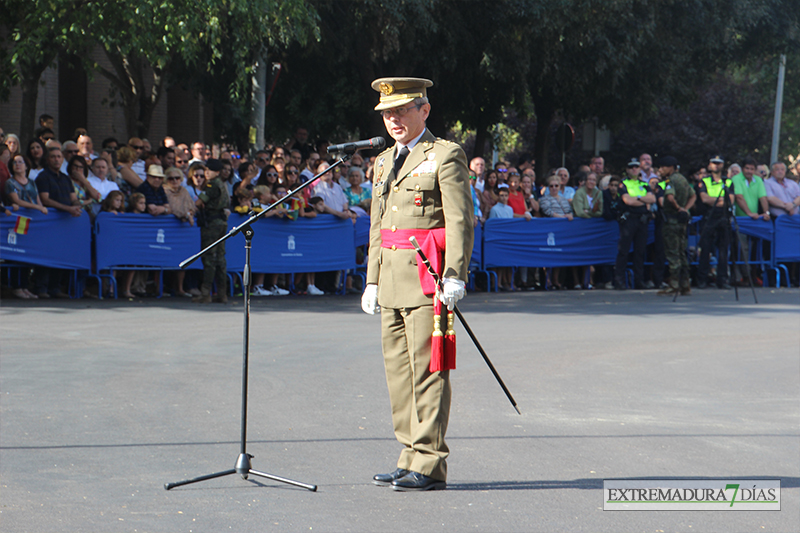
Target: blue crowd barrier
145,241
548,242
56,240
477,247
787,239
362,231
290,246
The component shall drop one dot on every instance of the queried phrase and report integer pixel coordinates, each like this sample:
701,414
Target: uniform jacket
435,176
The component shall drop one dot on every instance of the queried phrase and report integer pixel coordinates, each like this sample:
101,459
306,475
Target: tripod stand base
244,469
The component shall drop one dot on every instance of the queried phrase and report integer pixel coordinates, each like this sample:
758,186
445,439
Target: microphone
351,148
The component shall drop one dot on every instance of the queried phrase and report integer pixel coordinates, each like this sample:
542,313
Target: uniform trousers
676,242
715,236
659,252
632,230
214,265
420,399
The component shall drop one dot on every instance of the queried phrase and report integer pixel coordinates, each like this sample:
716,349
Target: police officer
678,199
421,188
637,200
716,230
213,204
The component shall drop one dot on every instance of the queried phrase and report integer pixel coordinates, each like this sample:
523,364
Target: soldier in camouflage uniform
212,218
678,199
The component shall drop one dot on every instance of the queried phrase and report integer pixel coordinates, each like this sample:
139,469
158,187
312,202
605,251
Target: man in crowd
262,159
153,190
597,165
46,121
98,178
168,142
310,169
296,158
782,194
198,153
750,195
478,167
637,200
678,199
55,191
166,156
646,168
716,227
138,166
421,189
110,143
300,142
68,150
86,147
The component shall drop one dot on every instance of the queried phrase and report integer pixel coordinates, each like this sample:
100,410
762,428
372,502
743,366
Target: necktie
401,158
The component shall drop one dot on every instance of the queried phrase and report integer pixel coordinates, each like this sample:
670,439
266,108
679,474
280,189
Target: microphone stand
731,215
243,466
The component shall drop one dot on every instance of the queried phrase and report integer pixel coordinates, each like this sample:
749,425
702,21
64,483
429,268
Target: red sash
432,243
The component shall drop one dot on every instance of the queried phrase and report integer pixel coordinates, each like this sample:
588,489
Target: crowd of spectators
165,179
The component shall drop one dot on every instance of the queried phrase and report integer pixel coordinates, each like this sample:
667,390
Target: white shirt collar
413,142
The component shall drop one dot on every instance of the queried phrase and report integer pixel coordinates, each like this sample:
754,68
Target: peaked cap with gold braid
396,92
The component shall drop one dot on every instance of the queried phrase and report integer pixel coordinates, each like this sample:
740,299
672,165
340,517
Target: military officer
421,188
213,204
678,199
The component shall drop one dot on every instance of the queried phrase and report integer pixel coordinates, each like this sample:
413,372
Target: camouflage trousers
214,265
676,242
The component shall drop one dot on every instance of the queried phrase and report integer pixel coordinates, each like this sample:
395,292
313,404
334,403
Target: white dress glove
454,290
369,300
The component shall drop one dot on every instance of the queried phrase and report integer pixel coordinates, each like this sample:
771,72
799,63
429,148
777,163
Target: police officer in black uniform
637,200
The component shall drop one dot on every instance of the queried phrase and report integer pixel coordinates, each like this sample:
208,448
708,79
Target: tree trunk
545,112
30,75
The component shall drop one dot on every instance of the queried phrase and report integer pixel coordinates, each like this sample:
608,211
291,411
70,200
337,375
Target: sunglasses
135,147
503,170
272,174
199,175
263,160
554,186
173,178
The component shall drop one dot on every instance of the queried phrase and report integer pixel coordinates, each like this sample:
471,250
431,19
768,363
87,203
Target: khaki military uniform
675,232
430,191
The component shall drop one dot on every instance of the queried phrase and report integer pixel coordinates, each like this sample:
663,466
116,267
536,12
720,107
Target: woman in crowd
587,203
358,197
529,194
127,180
291,176
588,200
226,175
34,154
114,203
182,206
78,171
556,206
196,179
12,141
20,189
564,189
280,165
488,197
733,170
268,177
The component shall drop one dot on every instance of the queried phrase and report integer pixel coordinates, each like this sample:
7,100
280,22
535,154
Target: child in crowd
114,203
137,204
245,199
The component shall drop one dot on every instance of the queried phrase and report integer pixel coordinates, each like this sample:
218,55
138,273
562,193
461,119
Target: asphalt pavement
102,402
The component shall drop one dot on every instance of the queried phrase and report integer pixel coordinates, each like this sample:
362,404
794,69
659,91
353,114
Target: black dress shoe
386,479
414,481
724,286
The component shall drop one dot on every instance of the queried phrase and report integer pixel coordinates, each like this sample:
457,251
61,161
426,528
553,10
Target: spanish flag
22,225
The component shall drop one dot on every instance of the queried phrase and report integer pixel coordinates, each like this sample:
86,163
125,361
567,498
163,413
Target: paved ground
104,402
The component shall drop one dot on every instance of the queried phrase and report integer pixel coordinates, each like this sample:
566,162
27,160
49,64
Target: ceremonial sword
440,285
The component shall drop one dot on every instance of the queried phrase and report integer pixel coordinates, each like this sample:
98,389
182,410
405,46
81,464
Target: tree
38,29
142,43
